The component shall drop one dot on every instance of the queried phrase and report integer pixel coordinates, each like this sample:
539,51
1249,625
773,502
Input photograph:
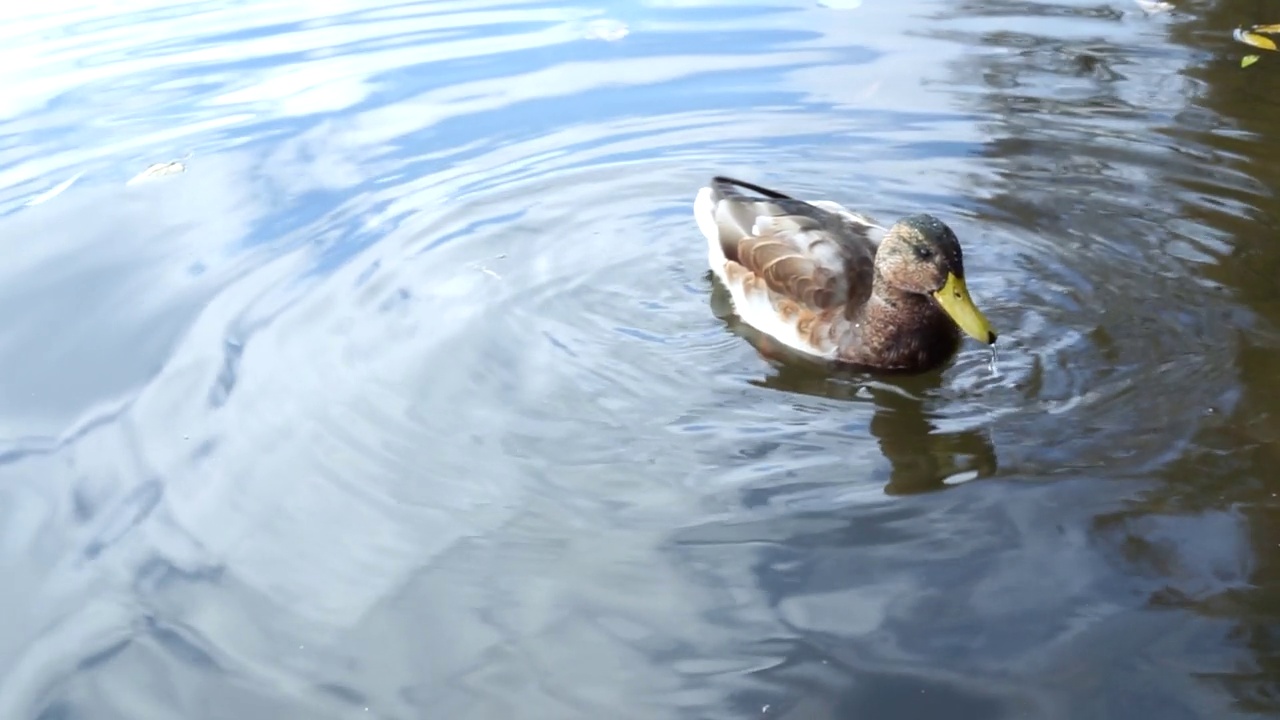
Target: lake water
406,392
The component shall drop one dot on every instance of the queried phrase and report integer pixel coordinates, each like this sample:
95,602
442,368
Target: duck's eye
923,252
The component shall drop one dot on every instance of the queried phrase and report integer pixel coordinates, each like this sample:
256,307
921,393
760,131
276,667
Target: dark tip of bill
991,338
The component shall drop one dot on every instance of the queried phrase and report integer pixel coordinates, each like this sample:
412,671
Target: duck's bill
955,301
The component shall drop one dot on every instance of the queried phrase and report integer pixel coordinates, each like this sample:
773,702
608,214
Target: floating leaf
1256,40
1266,28
607,30
1248,60
1153,7
156,170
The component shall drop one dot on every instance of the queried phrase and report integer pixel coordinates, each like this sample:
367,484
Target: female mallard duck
833,284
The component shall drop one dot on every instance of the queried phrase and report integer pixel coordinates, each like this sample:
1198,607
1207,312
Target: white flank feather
756,309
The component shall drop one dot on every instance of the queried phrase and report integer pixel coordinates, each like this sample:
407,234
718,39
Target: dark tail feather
724,186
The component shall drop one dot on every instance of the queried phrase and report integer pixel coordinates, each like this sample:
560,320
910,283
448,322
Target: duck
835,285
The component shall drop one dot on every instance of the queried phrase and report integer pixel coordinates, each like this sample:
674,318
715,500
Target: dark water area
408,394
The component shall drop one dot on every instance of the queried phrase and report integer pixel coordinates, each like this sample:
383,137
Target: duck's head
921,255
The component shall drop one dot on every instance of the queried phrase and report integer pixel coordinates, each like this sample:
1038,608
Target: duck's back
798,271
796,241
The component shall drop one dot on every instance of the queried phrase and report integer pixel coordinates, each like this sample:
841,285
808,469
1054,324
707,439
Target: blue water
405,392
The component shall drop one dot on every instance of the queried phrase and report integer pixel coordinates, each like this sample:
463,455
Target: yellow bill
955,301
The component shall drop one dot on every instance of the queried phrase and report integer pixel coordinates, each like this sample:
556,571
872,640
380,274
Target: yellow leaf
1266,28
1258,41
1248,60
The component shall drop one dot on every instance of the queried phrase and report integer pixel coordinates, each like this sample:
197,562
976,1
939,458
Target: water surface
412,396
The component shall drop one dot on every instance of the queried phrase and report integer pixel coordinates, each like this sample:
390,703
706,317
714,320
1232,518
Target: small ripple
127,514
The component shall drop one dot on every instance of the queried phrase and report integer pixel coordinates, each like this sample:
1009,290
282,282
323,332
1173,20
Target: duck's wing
818,254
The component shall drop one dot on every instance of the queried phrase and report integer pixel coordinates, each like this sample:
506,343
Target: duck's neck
907,328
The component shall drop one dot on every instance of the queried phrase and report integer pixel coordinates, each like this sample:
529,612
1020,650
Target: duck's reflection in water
922,456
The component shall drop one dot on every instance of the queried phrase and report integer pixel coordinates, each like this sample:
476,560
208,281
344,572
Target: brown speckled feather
804,252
